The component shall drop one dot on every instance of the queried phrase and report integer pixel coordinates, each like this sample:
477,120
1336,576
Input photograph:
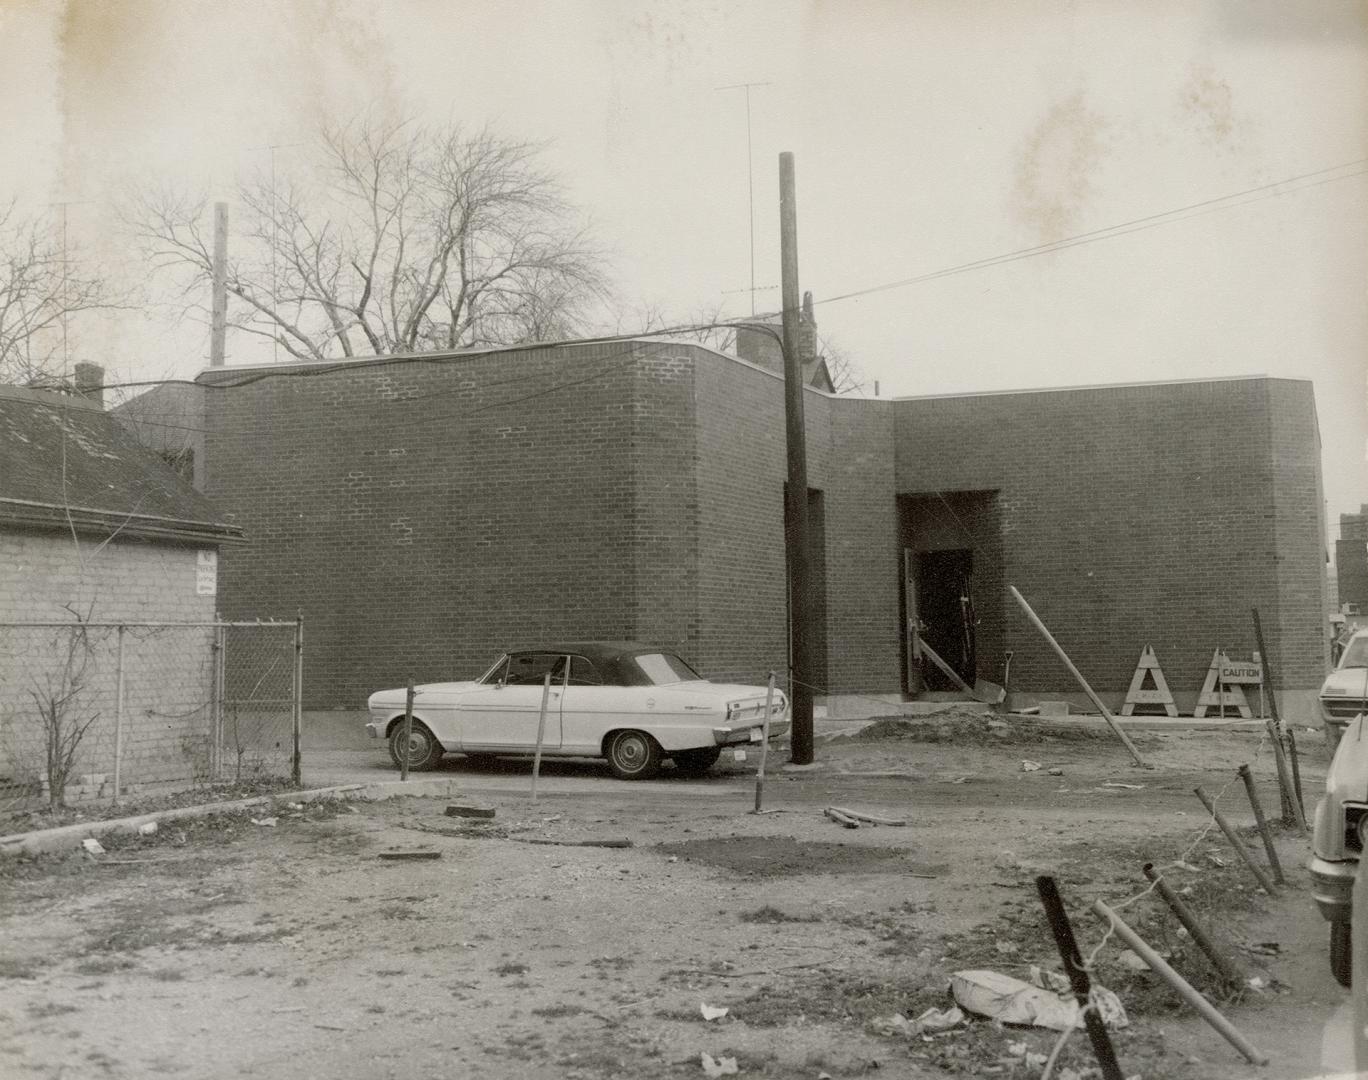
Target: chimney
88,381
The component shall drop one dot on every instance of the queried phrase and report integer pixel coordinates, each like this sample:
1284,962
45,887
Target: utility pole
218,326
797,539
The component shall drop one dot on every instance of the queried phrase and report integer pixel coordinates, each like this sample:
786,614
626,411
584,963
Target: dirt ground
221,947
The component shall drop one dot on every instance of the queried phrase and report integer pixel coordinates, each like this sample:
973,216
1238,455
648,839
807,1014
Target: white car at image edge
633,704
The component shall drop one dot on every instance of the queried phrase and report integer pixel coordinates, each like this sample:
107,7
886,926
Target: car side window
583,673
525,668
498,674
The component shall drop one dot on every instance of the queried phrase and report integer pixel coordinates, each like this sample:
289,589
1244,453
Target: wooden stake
1235,842
764,746
840,818
541,727
1097,702
1292,814
1078,977
1180,985
408,733
1222,963
1248,778
868,817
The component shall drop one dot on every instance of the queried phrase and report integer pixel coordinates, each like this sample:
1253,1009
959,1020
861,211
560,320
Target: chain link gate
105,710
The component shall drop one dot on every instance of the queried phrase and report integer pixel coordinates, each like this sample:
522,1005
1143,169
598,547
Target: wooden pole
119,722
1359,971
800,567
541,727
218,322
1097,701
1180,985
408,733
764,745
1078,977
1222,963
1236,843
1292,814
1248,778
297,706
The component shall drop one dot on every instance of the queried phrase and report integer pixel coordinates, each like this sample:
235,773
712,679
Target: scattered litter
1030,766
330,1027
1180,865
1056,771
1133,960
1127,787
1013,1001
1216,860
1005,947
719,1066
148,828
1270,948
295,805
410,855
959,779
897,1024
939,1019
93,846
270,823
673,858
610,842
1034,710
469,810
1256,982
712,1012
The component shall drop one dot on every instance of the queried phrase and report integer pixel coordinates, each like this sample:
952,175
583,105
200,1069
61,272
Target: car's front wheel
696,762
1342,952
633,755
424,751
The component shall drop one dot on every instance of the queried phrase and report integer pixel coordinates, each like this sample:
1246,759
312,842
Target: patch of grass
555,1012
837,997
13,968
511,967
769,915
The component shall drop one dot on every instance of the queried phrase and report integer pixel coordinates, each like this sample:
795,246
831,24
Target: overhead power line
1108,232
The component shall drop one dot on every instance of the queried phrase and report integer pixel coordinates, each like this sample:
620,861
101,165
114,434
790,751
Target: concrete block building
424,512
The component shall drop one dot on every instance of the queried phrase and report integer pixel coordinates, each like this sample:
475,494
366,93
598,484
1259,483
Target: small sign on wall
206,573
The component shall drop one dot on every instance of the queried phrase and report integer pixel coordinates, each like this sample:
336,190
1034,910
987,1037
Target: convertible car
630,703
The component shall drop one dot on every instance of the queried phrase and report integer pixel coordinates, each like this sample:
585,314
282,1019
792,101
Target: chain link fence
107,710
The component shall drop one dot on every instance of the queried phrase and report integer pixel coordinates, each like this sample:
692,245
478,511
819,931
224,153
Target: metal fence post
119,720
298,718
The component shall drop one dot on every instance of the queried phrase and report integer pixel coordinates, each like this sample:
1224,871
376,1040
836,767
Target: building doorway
945,613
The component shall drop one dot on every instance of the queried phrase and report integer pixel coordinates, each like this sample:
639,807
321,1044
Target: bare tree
708,325
41,286
406,239
846,375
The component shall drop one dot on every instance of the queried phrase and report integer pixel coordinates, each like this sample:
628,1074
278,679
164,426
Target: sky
926,136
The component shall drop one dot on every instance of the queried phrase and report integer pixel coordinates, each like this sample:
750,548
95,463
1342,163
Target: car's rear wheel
1342,952
633,755
424,751
696,762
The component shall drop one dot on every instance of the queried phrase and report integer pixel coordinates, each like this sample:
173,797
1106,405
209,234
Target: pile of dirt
783,856
976,729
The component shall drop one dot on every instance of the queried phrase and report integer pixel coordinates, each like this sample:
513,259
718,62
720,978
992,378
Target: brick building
423,514
95,529
1351,562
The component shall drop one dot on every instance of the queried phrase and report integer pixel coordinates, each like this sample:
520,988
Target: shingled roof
66,463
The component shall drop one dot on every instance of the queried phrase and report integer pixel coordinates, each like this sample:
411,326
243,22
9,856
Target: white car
630,703
1344,694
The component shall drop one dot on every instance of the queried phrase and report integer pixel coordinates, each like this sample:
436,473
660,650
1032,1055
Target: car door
589,708
503,715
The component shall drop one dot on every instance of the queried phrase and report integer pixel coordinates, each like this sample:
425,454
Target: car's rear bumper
1332,887
750,733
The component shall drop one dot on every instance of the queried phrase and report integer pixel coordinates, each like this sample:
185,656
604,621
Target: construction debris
871,818
840,818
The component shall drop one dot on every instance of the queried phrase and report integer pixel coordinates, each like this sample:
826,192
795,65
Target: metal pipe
1097,701
1228,970
1078,977
119,722
764,745
1184,989
1240,849
1248,778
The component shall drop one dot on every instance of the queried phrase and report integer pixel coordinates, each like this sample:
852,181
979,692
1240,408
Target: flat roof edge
1103,386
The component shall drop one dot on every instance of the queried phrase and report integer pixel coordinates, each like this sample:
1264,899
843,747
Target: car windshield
661,668
1356,655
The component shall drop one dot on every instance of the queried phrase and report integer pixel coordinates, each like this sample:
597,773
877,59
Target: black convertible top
610,657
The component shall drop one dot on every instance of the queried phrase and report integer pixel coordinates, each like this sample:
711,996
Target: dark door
945,610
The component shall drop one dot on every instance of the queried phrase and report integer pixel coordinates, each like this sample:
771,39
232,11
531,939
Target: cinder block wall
1132,515
168,672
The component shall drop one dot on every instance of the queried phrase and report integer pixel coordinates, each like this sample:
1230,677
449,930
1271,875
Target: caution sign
1227,695
1148,688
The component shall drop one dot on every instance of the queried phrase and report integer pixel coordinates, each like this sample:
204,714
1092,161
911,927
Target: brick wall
167,671
421,516
1351,561
1156,514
